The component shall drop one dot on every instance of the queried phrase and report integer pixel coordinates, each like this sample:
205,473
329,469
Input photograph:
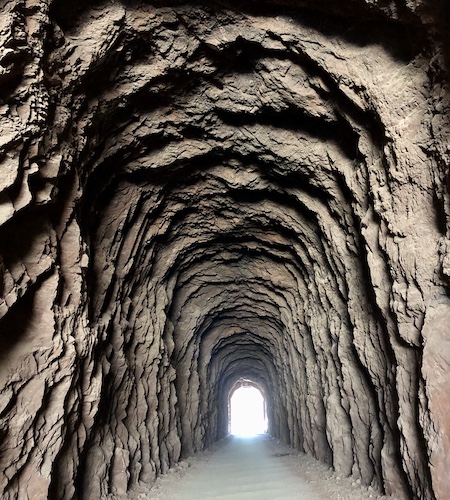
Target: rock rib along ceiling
193,195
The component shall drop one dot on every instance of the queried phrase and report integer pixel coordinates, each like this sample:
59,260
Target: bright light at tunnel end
247,412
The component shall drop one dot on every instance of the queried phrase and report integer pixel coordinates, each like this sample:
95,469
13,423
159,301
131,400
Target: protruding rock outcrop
194,194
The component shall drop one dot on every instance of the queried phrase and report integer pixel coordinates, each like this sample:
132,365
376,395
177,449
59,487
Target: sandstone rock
191,195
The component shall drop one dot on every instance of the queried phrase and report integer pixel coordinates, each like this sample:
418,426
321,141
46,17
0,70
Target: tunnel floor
257,468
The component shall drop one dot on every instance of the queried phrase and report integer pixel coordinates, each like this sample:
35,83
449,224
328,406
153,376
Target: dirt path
257,468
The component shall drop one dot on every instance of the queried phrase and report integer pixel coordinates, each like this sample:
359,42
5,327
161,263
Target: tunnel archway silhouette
247,410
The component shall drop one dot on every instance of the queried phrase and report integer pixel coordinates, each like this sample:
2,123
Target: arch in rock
190,192
248,417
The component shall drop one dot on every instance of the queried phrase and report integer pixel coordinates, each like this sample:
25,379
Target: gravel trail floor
257,468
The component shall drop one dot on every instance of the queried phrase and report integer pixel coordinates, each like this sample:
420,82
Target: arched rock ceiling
194,193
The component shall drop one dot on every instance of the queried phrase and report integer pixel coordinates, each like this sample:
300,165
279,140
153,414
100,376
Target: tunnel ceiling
194,193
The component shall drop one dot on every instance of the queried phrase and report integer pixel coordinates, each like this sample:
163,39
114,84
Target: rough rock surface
193,193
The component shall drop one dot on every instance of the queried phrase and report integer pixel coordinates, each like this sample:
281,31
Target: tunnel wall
190,194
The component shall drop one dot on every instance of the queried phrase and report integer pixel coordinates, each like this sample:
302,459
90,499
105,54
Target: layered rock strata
192,194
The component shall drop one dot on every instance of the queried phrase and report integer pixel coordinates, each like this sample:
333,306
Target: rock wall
193,193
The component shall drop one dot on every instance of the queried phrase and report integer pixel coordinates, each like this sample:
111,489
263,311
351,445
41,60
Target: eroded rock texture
193,193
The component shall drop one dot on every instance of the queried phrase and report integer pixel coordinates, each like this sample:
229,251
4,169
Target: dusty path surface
244,468
256,468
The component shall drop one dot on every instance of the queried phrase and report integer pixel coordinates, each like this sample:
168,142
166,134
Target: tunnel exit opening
247,412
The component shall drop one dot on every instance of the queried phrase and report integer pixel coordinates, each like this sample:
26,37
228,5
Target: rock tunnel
193,193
